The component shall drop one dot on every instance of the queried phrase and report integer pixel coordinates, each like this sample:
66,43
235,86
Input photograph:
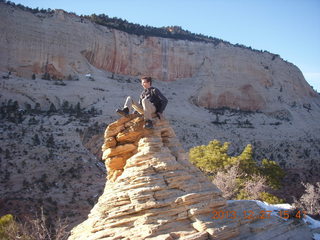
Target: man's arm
163,100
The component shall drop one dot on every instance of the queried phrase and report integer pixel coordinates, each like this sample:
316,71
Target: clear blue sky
290,28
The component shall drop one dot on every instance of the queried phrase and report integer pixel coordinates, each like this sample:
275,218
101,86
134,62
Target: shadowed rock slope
154,192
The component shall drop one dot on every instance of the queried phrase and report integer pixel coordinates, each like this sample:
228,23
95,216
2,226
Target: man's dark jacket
156,97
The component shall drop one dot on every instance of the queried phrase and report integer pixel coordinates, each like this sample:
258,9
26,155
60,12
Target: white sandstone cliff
227,76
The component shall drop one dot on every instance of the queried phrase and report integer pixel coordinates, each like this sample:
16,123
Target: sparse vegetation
50,141
239,177
52,108
227,182
60,83
11,111
244,124
32,229
175,32
7,154
36,140
310,200
46,76
42,146
72,77
307,106
33,10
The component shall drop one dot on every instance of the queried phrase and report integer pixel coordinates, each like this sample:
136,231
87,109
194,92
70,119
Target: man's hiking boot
148,124
123,112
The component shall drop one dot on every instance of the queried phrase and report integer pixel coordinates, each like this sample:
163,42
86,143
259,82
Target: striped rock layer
154,192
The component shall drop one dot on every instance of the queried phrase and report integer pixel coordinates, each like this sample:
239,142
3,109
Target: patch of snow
273,207
266,206
311,222
316,236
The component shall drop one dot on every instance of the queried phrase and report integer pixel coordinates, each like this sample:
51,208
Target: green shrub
270,198
210,158
263,196
9,229
4,222
251,178
273,172
242,195
213,157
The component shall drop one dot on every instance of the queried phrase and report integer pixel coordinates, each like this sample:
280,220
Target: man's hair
148,79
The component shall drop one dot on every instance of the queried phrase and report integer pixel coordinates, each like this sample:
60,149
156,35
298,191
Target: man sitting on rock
151,100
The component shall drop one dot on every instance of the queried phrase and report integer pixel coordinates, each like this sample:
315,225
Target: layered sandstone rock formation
154,192
63,44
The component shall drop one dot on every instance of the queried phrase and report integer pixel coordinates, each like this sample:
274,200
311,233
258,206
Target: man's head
146,82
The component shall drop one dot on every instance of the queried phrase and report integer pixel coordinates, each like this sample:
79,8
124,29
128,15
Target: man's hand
160,116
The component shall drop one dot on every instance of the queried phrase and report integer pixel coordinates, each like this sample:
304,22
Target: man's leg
126,108
128,103
149,109
132,105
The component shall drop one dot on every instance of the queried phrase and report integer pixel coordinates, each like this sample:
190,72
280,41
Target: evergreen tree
37,108
50,141
65,106
15,106
273,173
46,76
70,77
28,107
78,110
52,108
7,154
246,162
36,140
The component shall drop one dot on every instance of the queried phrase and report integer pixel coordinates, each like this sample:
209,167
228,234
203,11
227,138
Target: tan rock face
228,76
246,98
154,192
